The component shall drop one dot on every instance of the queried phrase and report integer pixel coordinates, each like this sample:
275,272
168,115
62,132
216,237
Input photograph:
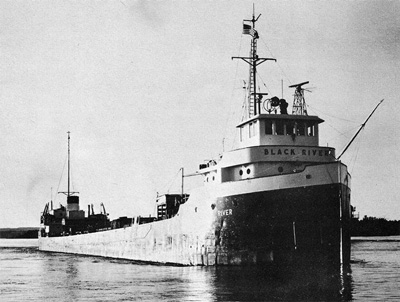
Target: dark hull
301,226
306,226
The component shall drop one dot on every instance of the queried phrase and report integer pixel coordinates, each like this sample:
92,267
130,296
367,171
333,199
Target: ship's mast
254,98
69,163
69,193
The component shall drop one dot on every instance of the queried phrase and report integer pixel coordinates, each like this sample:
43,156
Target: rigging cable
72,181
331,126
324,113
59,182
265,85
354,159
359,130
280,67
171,182
344,134
244,109
231,111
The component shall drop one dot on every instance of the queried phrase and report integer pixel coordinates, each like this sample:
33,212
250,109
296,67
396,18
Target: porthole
212,206
240,172
280,169
213,178
248,171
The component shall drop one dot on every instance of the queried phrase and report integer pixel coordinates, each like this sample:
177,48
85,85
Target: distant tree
372,226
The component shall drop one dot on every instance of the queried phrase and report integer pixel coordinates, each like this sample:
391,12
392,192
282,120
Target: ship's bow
301,223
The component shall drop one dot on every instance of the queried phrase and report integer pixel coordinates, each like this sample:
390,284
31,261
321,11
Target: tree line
372,226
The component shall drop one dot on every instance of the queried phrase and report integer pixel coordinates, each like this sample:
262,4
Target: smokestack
73,203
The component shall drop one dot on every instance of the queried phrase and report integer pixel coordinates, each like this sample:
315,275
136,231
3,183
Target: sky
148,87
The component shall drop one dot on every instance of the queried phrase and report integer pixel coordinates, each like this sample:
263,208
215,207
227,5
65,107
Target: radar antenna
299,103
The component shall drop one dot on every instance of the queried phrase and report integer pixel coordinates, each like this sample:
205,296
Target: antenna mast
254,98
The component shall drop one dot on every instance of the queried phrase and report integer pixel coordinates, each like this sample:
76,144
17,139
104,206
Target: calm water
27,274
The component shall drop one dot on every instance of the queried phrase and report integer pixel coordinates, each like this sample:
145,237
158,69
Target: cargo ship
278,198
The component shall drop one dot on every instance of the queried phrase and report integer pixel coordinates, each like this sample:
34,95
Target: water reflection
76,278
28,274
260,284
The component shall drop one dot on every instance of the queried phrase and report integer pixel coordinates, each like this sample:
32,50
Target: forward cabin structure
278,199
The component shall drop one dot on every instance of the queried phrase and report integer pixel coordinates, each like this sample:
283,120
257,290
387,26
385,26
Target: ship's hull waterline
304,217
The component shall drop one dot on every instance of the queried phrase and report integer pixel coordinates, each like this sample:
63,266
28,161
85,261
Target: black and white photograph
213,150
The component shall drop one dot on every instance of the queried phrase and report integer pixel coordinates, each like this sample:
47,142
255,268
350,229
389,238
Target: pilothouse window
310,129
252,129
290,128
268,127
301,129
279,127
